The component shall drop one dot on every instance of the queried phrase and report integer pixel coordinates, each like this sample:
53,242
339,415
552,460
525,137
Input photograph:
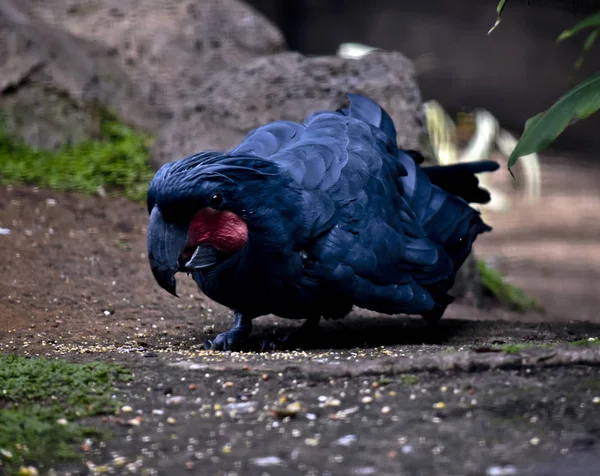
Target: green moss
116,162
510,295
409,379
35,393
516,348
590,341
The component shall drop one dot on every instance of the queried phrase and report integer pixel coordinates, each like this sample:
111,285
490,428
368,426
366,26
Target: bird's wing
267,140
364,238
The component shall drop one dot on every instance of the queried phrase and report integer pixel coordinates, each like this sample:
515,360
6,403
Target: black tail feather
461,179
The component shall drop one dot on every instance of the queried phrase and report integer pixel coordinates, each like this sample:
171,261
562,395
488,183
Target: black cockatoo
304,221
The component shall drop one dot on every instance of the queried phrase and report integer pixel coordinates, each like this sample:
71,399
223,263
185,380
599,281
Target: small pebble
137,421
288,411
332,402
501,470
266,461
346,440
342,414
177,399
364,471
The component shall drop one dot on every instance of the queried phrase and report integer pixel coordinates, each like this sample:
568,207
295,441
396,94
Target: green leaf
587,46
499,8
541,130
512,296
588,22
589,41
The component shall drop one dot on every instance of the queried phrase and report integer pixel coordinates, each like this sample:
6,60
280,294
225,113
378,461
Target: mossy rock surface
41,403
115,162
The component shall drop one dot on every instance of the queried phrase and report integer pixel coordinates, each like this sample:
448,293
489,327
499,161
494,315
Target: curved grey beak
166,241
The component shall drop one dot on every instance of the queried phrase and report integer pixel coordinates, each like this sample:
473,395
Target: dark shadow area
373,332
356,332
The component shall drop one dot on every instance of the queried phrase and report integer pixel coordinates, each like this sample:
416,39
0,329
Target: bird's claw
231,340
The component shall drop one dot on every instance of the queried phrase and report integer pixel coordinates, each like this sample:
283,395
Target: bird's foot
233,339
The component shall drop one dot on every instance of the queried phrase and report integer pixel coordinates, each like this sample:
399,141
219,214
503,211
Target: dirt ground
76,283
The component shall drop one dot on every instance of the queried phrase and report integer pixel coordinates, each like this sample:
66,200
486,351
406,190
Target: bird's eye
216,200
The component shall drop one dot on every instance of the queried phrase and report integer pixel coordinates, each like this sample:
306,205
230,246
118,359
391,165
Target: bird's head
204,209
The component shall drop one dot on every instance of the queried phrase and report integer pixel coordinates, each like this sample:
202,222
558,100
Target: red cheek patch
223,230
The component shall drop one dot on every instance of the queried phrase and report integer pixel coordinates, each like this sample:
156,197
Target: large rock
53,85
291,86
169,48
61,61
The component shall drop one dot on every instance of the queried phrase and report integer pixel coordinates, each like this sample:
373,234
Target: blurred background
516,71
94,96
